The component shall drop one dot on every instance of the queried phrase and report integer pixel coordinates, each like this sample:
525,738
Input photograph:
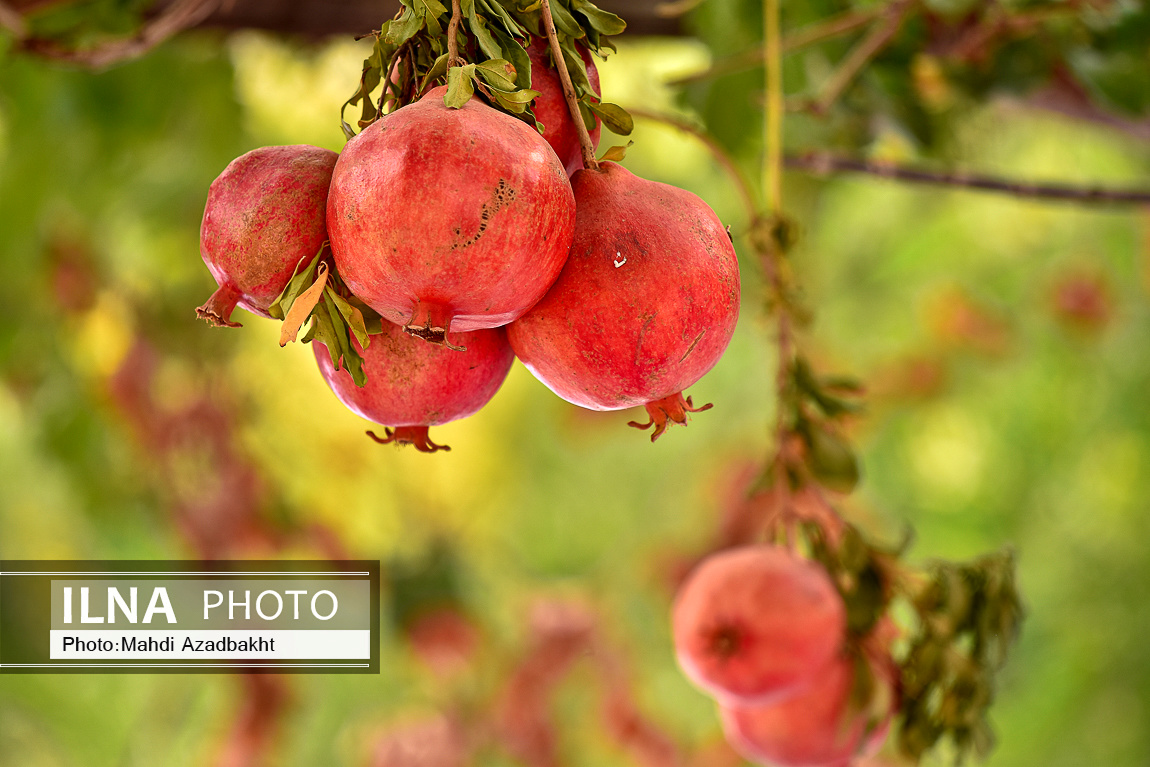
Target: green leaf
516,102
351,315
576,69
486,42
434,8
507,22
438,70
831,459
372,321
498,73
460,88
614,117
332,325
601,21
565,23
517,55
300,281
403,30
616,153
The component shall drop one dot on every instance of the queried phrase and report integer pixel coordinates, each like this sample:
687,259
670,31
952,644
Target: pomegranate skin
755,624
818,727
647,302
550,107
449,219
265,213
415,384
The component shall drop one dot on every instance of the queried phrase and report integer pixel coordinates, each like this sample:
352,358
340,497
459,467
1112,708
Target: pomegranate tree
756,624
412,385
646,304
264,216
446,219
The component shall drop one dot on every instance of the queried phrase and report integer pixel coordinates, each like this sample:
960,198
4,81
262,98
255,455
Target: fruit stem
409,435
453,35
673,409
217,311
585,144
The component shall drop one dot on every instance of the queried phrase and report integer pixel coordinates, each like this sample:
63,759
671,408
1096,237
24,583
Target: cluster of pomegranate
765,633
463,231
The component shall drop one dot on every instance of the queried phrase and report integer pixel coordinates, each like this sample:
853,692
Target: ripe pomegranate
550,107
755,624
821,726
449,219
412,385
645,306
265,214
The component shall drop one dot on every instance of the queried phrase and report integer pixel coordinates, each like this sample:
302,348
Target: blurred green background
1005,344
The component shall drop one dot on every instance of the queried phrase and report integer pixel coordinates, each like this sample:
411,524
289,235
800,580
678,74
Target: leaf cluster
969,615
816,407
317,293
410,56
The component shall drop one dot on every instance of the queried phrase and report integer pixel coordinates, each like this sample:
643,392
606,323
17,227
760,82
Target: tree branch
875,41
822,163
811,34
585,144
453,35
720,154
177,17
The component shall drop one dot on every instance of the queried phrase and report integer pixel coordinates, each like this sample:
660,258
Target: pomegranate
755,624
821,726
644,307
412,385
449,219
550,107
265,215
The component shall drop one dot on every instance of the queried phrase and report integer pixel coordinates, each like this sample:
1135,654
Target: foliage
996,411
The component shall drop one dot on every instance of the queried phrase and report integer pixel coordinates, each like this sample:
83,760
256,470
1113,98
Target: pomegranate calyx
217,311
673,408
431,323
409,435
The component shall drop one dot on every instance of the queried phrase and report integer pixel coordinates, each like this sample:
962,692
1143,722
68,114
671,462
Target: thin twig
868,47
822,163
811,34
720,154
585,144
453,35
179,16
769,242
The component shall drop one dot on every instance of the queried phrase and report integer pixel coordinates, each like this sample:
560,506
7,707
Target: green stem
773,124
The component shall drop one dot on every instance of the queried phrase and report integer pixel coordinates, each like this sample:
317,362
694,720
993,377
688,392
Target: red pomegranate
265,214
412,385
550,107
755,624
645,306
821,726
449,219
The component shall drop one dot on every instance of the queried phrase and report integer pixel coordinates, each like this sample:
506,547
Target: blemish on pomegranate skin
694,343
